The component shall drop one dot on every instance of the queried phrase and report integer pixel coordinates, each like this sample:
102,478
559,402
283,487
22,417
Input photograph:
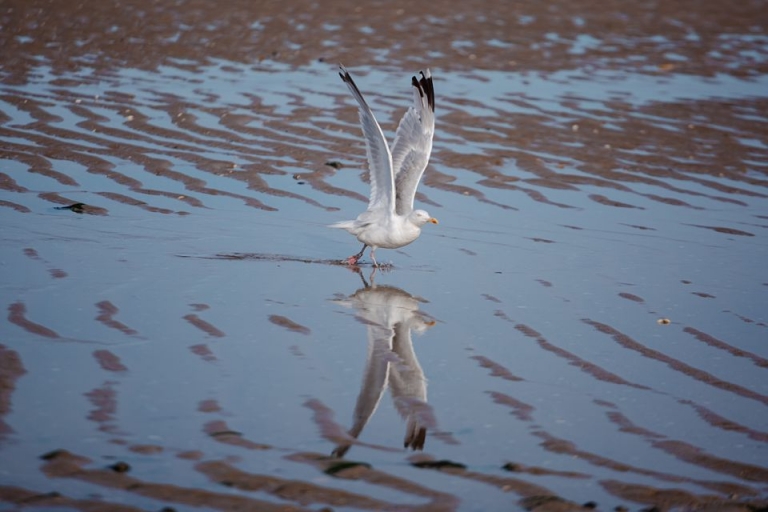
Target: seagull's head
420,217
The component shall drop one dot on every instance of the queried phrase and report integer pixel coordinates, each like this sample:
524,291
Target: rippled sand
584,329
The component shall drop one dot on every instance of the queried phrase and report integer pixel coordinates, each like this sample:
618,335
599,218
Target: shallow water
587,323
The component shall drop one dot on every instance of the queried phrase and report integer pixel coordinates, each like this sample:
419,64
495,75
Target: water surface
586,325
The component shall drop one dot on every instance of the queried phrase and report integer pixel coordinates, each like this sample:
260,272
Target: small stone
438,464
120,467
54,454
344,465
75,207
511,466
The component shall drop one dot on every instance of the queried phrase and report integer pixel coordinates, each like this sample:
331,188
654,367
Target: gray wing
413,142
379,157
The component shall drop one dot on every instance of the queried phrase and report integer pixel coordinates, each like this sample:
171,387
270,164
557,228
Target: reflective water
587,323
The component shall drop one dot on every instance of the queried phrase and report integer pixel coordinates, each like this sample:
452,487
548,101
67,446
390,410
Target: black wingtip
425,88
344,74
347,78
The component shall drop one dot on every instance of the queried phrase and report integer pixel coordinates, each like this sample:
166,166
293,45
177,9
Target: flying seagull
390,220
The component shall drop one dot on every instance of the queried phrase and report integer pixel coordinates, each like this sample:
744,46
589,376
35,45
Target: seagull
391,316
390,220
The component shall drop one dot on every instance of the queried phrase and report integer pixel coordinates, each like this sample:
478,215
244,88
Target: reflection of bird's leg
352,260
359,272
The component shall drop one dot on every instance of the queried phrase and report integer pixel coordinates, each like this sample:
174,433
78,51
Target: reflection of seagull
390,220
391,314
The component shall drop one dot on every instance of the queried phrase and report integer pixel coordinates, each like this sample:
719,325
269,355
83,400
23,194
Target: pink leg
373,257
352,260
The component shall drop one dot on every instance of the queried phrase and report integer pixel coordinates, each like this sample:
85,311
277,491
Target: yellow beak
433,220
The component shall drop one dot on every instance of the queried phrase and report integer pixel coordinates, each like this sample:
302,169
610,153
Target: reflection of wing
409,386
374,381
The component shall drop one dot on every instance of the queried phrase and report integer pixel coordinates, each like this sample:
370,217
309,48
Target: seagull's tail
349,225
345,224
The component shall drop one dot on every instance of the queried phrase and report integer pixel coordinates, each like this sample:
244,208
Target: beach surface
585,328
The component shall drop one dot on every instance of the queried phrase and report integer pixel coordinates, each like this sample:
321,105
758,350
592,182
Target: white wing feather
413,143
379,157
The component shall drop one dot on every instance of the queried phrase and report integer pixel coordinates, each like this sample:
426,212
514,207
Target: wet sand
584,329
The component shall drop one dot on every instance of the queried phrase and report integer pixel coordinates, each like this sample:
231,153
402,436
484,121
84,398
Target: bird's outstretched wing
379,157
413,142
